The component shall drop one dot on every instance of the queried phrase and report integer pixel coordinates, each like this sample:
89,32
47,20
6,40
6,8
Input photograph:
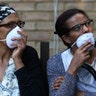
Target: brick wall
39,17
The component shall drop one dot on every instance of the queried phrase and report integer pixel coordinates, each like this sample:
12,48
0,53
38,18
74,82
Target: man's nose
85,28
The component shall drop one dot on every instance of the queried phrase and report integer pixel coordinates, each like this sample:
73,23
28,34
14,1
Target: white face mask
13,33
85,38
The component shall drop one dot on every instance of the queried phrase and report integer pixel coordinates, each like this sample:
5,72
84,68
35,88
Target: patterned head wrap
5,10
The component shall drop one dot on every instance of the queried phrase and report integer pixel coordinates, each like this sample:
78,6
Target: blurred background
40,17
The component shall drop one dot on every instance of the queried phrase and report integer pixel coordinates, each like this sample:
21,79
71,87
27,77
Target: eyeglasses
79,27
13,24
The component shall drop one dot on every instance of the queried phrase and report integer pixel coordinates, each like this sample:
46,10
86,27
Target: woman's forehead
11,17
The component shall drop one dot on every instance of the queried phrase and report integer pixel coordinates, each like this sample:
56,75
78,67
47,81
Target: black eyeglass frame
13,24
87,23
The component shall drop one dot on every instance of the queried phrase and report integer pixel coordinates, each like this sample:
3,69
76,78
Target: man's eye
90,23
77,28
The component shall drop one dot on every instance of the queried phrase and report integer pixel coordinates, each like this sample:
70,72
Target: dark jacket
30,77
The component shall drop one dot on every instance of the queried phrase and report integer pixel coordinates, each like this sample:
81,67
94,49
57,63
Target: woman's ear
66,39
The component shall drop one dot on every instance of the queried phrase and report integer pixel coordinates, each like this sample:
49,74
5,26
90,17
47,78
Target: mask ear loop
73,44
90,69
3,40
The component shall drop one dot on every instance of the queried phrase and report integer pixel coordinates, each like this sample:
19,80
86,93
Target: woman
68,75
20,69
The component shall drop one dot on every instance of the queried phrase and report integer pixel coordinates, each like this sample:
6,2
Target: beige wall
39,17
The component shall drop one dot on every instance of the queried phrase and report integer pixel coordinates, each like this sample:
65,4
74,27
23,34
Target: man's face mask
13,33
85,38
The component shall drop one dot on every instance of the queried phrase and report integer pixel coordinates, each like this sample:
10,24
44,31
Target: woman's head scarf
5,10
